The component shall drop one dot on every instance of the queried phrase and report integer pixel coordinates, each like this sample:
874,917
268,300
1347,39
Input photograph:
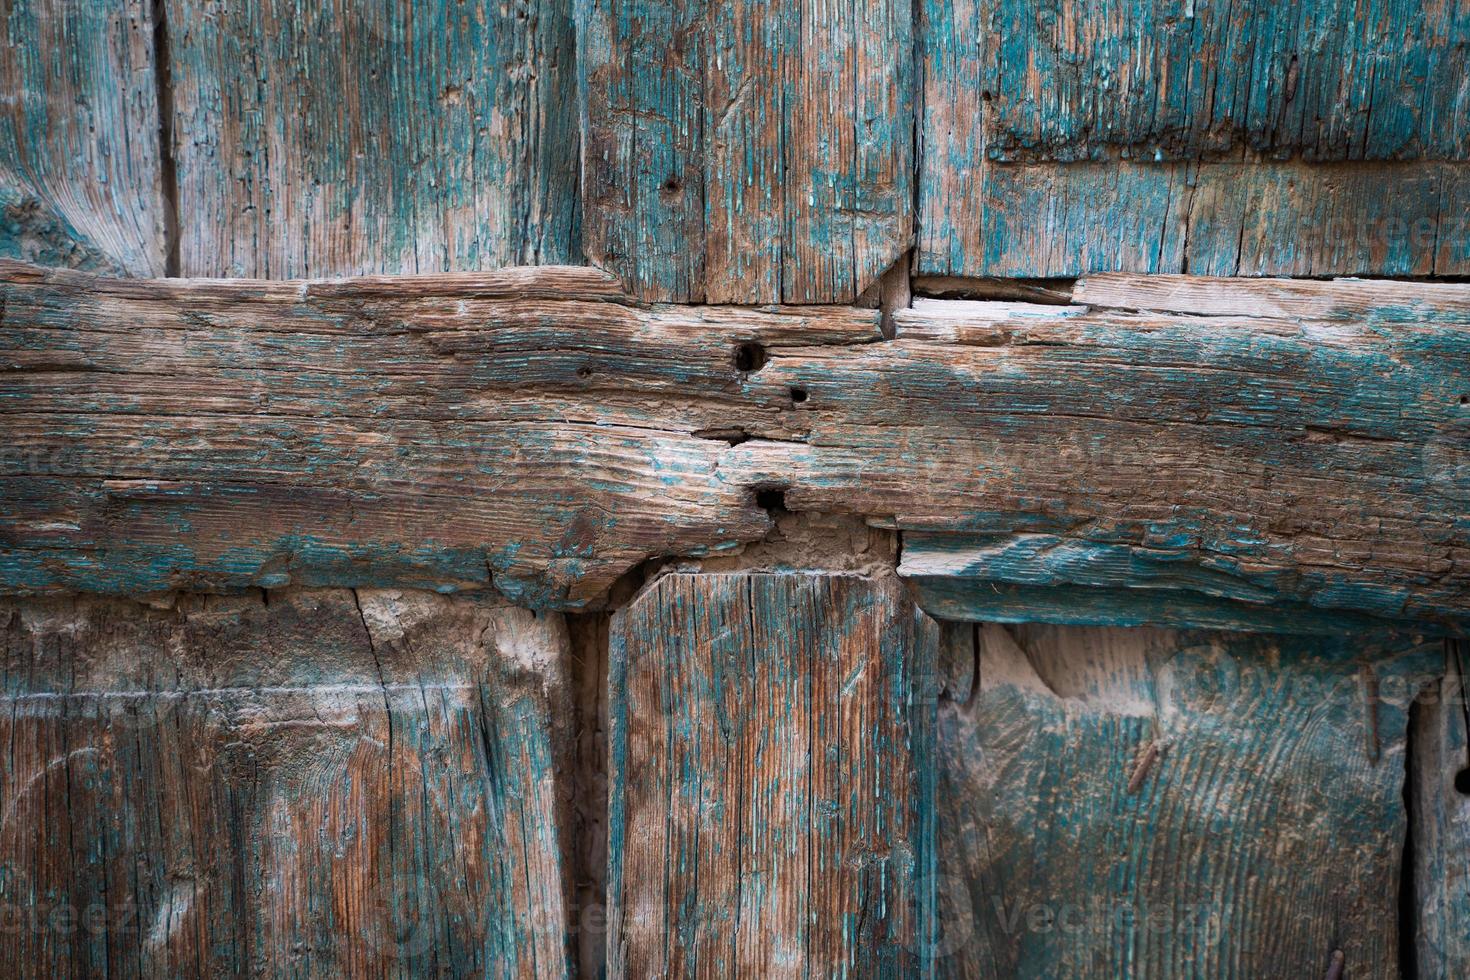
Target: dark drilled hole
584,371
750,357
1462,781
1465,399
771,498
798,395
672,185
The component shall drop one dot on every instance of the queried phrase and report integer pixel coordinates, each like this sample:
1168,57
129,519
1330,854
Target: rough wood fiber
512,429
1258,218
325,139
772,805
1439,776
745,152
1159,804
1325,80
324,784
80,181
526,431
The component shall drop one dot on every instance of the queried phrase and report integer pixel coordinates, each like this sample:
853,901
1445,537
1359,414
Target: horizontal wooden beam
1265,445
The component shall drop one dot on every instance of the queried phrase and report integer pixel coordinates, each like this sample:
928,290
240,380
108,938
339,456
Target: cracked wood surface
737,151
1250,138
770,770
321,783
1438,797
532,431
339,138
1150,803
81,184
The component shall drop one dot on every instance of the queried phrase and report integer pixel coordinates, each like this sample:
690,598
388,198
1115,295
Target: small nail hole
672,184
584,371
750,357
1462,781
985,96
1465,399
798,395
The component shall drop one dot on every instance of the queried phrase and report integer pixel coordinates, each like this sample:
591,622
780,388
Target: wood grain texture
525,430
1246,138
80,179
326,784
1439,774
1257,218
771,776
743,152
1325,80
341,138
1161,804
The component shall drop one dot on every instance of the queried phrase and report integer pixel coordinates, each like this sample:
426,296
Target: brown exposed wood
770,746
324,783
527,432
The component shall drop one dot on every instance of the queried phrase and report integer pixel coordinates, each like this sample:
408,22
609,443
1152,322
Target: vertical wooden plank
771,799
1157,804
747,153
80,179
325,139
1439,800
329,783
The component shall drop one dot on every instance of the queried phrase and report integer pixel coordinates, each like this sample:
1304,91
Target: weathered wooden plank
1261,218
272,433
747,152
523,430
1324,80
326,783
1439,806
80,179
771,778
340,138
1160,804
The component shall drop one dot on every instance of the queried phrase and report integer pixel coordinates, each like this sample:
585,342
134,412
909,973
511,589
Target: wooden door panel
329,785
770,801
1153,803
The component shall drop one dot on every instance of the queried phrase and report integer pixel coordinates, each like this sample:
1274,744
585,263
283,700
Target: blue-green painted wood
294,784
770,774
339,138
1160,804
737,151
1222,138
1325,80
1222,219
80,177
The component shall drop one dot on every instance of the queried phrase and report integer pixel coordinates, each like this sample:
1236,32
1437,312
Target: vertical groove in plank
740,152
1157,804
80,178
771,802
1439,777
340,138
327,783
